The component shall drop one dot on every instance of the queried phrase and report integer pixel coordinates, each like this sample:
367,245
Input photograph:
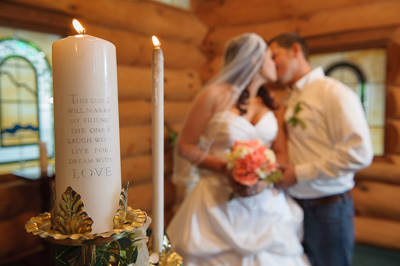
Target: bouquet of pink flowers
250,161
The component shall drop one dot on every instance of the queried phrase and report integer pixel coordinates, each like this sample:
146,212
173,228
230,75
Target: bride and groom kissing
320,138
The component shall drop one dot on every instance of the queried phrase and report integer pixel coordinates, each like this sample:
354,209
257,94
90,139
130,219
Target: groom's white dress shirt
335,142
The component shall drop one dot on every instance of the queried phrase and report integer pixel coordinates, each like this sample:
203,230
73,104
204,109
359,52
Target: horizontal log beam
26,17
377,232
136,49
175,112
358,39
137,140
141,196
235,12
215,41
377,200
133,113
371,23
136,83
368,16
144,17
211,68
385,172
138,169
341,41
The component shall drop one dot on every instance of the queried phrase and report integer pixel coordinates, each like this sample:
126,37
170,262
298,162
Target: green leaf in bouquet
274,177
231,196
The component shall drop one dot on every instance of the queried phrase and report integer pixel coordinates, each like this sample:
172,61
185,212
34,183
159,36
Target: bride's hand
248,191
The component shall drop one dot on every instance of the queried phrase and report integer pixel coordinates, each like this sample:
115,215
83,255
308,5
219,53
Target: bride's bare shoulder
218,88
214,97
218,91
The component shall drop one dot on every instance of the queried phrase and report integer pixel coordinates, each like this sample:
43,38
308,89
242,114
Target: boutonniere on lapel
295,120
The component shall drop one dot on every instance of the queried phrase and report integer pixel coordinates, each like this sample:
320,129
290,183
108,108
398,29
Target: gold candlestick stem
88,254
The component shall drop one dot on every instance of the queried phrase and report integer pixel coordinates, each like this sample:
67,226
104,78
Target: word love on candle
87,148
103,171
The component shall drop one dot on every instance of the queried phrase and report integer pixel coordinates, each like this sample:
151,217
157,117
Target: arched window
26,110
351,75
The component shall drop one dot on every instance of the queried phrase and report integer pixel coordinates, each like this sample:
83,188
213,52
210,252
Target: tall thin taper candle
158,144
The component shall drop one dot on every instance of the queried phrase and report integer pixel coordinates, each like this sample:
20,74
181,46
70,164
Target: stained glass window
26,111
351,75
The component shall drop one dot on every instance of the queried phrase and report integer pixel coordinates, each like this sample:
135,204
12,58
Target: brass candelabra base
55,228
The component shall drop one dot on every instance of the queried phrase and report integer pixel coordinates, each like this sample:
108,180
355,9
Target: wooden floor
373,256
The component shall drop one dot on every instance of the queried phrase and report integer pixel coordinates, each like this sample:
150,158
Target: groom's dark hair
286,40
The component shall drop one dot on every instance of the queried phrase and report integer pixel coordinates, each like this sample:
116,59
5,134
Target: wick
83,31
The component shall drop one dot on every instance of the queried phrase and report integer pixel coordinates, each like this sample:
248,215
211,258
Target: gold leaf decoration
120,216
166,258
171,259
35,224
42,226
71,218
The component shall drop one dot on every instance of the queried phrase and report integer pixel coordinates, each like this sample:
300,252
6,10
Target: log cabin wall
129,25
331,26
193,43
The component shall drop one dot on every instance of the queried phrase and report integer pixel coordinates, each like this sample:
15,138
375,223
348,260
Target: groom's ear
296,50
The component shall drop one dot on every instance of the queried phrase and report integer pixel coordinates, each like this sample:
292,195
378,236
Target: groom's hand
288,177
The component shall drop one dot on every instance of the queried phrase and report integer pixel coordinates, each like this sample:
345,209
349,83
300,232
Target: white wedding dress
263,229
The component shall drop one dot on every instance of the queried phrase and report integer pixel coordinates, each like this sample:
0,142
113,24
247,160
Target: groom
328,141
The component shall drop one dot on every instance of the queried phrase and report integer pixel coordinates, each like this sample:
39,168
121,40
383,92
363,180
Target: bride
260,225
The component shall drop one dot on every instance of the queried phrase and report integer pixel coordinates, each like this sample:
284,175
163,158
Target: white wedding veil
243,57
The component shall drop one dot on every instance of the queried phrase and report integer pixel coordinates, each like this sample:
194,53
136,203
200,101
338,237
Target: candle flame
156,42
78,26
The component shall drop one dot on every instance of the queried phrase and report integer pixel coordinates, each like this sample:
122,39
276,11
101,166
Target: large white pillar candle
86,125
157,64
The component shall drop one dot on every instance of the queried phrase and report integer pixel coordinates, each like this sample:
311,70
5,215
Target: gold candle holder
167,257
71,226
